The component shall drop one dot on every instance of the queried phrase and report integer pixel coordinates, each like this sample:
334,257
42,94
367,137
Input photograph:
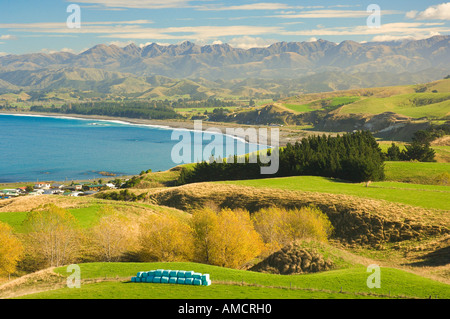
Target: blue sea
40,148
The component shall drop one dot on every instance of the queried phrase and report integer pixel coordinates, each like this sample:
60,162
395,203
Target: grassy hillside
238,284
431,100
416,105
425,196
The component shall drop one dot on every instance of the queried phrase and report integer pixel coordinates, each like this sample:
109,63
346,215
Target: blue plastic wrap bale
149,279
197,282
159,272
173,273
189,281
133,279
173,280
197,275
166,273
144,274
205,277
206,282
139,274
156,280
181,273
181,281
138,279
151,273
188,274
164,280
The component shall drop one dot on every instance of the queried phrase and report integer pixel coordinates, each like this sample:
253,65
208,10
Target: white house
76,194
110,185
42,185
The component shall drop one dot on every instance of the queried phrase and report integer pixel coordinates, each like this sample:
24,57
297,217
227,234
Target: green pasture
240,284
429,196
415,105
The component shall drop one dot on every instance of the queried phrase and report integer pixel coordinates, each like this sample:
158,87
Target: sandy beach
286,135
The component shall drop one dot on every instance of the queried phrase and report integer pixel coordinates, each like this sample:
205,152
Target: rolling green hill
431,100
426,196
113,282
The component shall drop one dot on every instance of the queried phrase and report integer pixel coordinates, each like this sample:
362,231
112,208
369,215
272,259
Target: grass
299,108
85,216
413,172
434,197
321,104
238,284
437,106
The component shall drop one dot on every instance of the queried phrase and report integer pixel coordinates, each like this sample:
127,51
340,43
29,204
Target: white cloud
3,53
253,6
8,37
247,42
388,38
437,12
138,4
312,39
120,44
313,14
400,29
412,14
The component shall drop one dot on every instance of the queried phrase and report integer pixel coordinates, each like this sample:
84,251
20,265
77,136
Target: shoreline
285,135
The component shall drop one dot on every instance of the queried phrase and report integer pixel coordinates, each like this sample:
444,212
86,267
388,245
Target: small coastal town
55,188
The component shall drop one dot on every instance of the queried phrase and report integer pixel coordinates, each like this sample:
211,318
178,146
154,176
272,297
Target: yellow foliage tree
113,235
52,235
165,238
233,239
11,250
202,224
278,226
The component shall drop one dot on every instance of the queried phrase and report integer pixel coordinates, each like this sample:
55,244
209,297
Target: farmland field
416,195
237,284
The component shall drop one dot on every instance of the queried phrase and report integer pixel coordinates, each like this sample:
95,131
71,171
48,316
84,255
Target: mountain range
337,66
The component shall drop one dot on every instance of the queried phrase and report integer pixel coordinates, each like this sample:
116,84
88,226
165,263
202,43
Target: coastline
285,135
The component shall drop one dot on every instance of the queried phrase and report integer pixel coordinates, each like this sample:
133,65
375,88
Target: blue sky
40,26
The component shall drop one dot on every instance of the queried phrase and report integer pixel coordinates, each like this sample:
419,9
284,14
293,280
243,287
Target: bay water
41,148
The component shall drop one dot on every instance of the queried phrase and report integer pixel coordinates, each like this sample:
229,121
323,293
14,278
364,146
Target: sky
29,26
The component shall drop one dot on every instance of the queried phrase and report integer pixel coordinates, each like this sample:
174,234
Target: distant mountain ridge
221,61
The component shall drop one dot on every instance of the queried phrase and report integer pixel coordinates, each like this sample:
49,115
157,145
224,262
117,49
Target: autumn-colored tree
278,226
202,224
233,239
10,250
165,238
308,223
270,223
52,235
113,235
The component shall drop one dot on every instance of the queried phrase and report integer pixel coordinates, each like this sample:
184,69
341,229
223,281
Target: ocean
41,148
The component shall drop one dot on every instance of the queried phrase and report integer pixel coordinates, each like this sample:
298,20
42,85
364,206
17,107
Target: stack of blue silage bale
181,277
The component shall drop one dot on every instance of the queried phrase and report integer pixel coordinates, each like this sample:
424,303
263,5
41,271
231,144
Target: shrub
112,236
52,235
165,238
279,227
234,240
11,250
